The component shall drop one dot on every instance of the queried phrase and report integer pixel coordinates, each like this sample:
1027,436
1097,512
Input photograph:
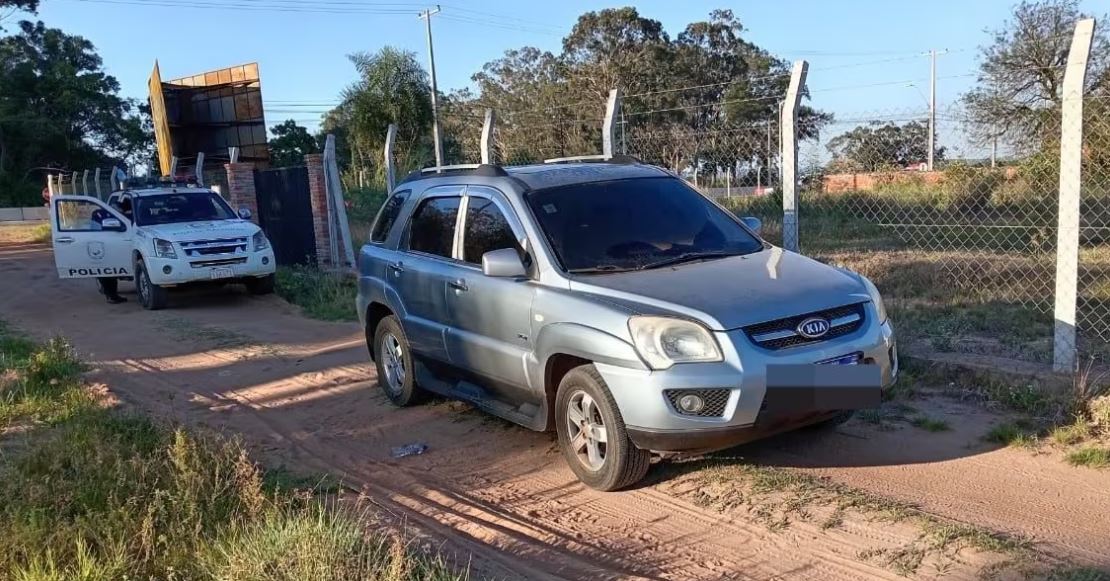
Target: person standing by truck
107,285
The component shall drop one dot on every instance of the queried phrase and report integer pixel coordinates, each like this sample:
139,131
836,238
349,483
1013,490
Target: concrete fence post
96,183
240,188
390,169
487,136
1064,345
609,129
788,130
345,253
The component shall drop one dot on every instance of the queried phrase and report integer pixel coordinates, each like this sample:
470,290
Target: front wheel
260,286
592,434
151,296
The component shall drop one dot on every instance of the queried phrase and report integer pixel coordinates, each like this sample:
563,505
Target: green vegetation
319,294
1090,456
930,424
1017,433
91,493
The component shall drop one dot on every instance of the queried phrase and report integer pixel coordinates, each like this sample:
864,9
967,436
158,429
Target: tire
395,373
621,464
260,286
151,296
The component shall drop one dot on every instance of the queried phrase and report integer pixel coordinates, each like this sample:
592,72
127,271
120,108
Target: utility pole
427,16
933,104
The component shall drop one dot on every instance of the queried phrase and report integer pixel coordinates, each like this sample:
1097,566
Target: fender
569,339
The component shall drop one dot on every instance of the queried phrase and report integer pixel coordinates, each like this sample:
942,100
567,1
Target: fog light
167,269
691,403
265,260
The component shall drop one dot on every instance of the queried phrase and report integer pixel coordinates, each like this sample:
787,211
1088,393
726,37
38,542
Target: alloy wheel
586,428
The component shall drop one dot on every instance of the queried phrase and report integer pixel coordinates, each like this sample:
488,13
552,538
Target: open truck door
91,240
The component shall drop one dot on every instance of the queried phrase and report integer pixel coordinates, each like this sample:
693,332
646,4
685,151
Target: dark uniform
107,285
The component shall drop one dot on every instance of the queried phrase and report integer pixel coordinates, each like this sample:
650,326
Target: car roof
537,176
551,175
161,190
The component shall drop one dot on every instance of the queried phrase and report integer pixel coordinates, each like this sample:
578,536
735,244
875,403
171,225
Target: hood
188,231
732,292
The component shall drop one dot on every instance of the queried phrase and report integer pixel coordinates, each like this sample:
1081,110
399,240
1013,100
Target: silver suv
616,305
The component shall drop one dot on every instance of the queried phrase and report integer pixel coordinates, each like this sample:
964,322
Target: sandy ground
302,393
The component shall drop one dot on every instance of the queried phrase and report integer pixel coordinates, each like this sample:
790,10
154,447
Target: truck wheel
592,435
393,358
152,296
261,286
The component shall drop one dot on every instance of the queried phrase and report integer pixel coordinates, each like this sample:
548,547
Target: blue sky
302,54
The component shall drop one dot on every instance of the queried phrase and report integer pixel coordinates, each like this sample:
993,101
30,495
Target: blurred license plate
852,359
218,273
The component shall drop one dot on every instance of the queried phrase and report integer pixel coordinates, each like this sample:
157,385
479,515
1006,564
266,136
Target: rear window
388,216
635,223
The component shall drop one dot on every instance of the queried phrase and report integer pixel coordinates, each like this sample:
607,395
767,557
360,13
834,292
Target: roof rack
619,158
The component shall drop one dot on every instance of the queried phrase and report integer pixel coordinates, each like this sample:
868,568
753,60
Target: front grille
216,246
715,401
783,334
217,262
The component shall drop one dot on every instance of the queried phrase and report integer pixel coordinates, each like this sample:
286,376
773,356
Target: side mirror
755,224
112,225
245,213
502,263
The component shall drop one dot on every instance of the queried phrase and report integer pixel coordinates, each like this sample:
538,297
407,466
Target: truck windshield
181,207
636,224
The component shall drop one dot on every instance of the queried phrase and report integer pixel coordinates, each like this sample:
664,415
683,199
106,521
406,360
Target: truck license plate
225,272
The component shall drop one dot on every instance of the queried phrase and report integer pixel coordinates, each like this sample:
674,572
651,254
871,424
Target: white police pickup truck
160,235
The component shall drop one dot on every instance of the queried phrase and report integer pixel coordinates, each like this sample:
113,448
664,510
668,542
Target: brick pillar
240,188
319,196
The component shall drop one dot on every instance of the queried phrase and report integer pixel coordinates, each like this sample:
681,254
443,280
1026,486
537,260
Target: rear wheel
260,286
393,358
151,296
592,434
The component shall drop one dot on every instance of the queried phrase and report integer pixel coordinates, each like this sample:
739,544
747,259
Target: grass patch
91,493
1071,434
320,295
930,424
1089,456
1017,433
25,233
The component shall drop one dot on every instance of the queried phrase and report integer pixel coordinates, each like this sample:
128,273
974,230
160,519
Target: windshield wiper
688,257
599,268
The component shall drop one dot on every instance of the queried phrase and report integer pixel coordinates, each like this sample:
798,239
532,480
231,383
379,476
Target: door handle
397,267
459,285
64,240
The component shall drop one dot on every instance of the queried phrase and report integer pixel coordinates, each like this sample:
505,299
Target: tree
392,88
1019,94
290,143
705,99
879,145
58,108
9,7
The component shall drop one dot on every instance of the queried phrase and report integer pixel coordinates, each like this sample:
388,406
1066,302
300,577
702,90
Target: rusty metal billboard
208,113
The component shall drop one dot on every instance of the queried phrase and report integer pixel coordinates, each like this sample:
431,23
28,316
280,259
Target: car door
423,266
490,317
90,239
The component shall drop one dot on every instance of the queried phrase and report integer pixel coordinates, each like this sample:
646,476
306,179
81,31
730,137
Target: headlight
164,249
875,297
259,241
663,341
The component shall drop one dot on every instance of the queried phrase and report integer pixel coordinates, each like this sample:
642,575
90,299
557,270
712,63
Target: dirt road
301,392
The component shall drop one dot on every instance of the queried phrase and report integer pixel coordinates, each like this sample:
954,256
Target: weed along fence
989,237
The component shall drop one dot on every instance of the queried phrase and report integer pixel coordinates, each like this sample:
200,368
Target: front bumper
255,265
655,424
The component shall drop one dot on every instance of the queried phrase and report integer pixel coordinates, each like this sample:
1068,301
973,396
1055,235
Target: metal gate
285,213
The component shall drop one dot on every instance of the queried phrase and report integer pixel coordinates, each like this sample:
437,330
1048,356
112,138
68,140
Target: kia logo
813,327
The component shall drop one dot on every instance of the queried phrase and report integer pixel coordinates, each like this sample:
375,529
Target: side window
387,216
432,228
486,230
80,216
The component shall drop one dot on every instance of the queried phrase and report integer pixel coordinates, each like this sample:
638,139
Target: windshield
181,207
636,224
